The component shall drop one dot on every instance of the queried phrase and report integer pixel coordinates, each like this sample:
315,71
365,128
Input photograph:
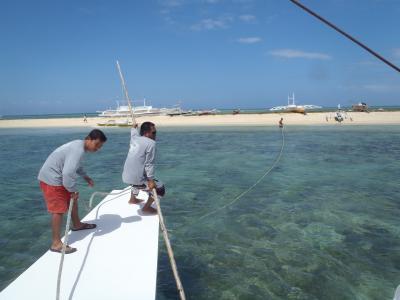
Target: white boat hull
117,260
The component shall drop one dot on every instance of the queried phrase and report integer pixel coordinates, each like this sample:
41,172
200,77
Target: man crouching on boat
139,166
58,183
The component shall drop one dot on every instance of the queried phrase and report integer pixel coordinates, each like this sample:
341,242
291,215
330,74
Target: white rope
105,194
65,243
254,185
64,247
397,294
169,248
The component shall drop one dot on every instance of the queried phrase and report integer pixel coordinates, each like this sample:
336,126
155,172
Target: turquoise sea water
324,224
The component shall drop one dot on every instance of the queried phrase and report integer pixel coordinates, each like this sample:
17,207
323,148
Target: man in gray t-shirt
57,179
139,165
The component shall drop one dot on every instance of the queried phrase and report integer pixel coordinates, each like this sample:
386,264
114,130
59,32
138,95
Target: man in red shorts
58,183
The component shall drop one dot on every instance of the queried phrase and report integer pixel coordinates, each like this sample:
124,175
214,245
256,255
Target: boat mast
126,93
290,98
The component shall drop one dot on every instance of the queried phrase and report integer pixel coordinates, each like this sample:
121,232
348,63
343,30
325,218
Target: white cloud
249,40
396,52
271,18
168,7
369,63
172,3
210,24
373,87
86,11
247,18
43,102
381,88
291,53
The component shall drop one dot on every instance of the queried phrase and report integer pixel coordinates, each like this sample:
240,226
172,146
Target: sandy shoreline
358,118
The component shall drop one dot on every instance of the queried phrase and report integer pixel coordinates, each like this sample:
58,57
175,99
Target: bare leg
147,207
76,221
57,245
56,220
134,200
75,216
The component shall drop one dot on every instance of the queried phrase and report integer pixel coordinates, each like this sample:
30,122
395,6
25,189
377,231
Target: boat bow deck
117,260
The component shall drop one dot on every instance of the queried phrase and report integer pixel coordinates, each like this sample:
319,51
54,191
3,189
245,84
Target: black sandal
85,226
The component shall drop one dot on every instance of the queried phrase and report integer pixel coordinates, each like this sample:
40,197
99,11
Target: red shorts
57,198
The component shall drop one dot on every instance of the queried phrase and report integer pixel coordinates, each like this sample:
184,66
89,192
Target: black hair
146,127
96,134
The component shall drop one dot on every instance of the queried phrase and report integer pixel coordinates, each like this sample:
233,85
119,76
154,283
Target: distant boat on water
138,111
118,122
339,115
293,108
236,111
207,112
361,106
201,112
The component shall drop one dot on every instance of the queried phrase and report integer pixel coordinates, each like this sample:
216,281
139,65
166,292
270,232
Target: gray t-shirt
63,165
139,163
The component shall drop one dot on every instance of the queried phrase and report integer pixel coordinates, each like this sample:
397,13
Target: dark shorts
160,188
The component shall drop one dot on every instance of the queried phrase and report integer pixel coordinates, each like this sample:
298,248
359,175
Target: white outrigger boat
293,108
139,111
117,260
339,115
118,122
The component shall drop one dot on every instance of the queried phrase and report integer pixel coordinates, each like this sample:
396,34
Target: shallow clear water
322,225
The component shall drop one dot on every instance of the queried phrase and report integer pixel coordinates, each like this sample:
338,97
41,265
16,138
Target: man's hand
75,195
89,181
151,184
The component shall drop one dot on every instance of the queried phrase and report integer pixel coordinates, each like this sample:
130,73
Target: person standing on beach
57,179
281,123
84,118
139,166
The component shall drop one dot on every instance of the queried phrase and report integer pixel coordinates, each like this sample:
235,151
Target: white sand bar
312,118
117,260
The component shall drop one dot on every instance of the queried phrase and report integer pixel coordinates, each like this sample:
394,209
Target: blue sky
59,56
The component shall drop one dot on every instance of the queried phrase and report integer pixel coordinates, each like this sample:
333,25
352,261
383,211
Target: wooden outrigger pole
156,200
169,248
126,93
